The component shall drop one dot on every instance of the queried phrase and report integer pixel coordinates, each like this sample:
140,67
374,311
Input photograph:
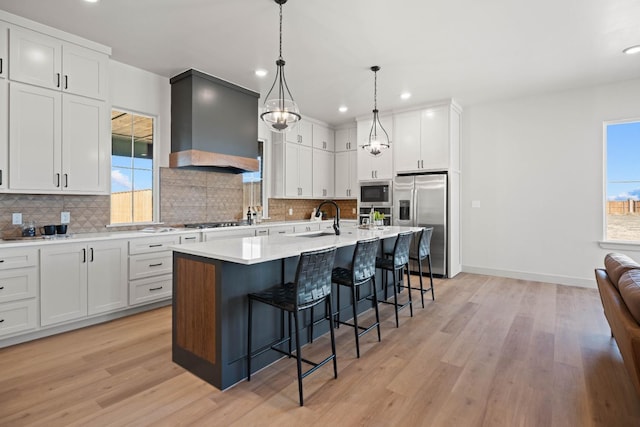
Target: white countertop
254,250
111,235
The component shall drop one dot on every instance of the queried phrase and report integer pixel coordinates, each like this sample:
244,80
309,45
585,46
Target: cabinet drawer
281,229
148,290
189,238
152,244
18,258
19,283
17,317
149,265
306,227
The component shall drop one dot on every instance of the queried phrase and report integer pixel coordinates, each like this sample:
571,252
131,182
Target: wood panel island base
211,281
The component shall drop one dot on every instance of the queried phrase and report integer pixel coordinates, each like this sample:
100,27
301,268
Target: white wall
536,166
143,92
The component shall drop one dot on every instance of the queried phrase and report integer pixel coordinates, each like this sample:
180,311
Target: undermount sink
316,233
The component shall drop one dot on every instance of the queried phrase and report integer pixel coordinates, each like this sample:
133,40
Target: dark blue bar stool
312,286
396,263
362,271
419,252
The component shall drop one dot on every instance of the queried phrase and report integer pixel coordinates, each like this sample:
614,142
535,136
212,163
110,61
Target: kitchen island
211,281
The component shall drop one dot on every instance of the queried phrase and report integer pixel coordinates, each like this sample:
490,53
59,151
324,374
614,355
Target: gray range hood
213,123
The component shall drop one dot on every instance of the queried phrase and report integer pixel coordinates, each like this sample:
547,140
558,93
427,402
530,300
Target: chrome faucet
336,219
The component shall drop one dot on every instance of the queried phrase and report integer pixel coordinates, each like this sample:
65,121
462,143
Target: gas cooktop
202,225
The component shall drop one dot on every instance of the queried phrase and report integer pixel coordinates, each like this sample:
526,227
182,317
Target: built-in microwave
376,193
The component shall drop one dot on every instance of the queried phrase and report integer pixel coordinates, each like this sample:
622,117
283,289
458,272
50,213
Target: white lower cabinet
79,279
18,291
151,268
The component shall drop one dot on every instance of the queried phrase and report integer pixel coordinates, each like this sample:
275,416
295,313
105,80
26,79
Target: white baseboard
537,277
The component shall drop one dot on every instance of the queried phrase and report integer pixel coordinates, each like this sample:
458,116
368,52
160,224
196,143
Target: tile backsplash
186,196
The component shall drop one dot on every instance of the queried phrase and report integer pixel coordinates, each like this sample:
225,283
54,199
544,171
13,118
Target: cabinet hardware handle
58,80
0,176
1,261
155,289
156,245
282,232
422,164
84,255
1,320
66,180
57,180
1,288
91,254
189,238
0,65
66,81
155,265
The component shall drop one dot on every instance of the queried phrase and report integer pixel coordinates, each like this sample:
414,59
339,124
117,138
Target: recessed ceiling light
91,1
260,72
405,95
631,50
343,109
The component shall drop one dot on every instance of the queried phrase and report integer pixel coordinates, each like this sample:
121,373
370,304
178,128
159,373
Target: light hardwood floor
488,352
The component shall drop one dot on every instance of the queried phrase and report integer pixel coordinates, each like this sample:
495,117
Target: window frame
155,170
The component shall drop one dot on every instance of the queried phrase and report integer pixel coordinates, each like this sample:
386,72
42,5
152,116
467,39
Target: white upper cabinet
4,51
427,140
40,161
85,145
374,167
4,133
346,139
302,133
323,173
292,166
35,146
48,62
346,174
323,138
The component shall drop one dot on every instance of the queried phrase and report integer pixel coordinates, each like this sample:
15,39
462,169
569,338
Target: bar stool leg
395,296
298,358
375,304
249,341
408,287
433,296
290,336
421,287
333,339
355,320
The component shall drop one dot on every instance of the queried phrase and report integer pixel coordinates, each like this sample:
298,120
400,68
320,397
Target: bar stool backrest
313,276
363,265
401,249
424,244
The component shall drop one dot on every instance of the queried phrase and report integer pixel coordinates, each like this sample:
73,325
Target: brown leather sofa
619,286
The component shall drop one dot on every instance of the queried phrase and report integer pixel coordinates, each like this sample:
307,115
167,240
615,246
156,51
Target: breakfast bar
211,281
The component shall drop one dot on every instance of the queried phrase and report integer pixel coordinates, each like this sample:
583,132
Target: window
252,184
623,181
131,168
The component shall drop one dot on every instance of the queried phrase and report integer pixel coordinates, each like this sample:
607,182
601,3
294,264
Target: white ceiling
472,50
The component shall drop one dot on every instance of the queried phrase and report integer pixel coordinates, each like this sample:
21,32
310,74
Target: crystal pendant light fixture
378,137
280,111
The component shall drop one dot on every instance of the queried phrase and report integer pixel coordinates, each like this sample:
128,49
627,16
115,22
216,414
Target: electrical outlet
290,211
353,211
16,219
65,217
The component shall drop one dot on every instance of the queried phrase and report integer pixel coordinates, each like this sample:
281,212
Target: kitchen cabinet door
63,283
302,133
305,171
108,289
4,133
323,138
406,139
434,139
346,183
86,145
323,173
298,170
34,138
35,58
84,71
374,167
4,51
346,139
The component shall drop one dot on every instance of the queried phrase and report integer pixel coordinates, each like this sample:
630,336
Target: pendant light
378,137
280,111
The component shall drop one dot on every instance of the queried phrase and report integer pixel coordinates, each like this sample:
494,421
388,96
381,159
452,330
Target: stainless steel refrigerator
421,201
